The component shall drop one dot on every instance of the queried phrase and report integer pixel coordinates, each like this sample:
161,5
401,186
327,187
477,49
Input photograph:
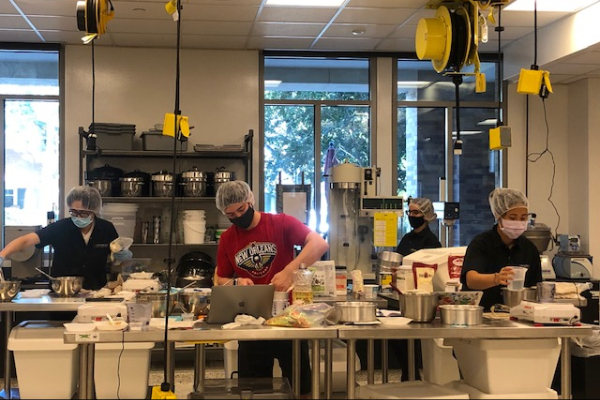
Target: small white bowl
80,326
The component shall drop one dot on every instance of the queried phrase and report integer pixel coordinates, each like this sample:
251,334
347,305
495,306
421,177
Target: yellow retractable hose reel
93,16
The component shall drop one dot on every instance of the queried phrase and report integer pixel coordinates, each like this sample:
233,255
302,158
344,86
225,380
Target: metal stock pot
162,184
356,311
193,183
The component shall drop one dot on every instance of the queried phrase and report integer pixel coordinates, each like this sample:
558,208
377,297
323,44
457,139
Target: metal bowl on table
66,286
461,314
195,301
158,300
356,311
9,289
513,298
419,306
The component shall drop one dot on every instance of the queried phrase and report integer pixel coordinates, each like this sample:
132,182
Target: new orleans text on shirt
256,256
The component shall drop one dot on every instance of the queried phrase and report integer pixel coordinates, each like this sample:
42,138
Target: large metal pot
513,298
158,301
193,183
135,184
105,179
419,306
461,314
162,184
356,311
221,177
66,286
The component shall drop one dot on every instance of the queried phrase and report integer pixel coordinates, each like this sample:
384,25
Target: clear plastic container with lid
302,292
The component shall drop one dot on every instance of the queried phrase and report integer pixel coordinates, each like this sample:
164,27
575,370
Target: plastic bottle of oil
302,292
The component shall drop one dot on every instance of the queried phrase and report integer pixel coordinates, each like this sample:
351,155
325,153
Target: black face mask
416,222
245,220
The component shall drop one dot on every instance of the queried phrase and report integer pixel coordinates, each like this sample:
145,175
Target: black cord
500,80
167,385
535,66
119,363
534,157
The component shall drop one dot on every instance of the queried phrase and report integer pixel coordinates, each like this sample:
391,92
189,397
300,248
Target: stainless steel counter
490,329
205,333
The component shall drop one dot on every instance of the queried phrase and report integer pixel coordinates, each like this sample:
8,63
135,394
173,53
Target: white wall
573,118
218,92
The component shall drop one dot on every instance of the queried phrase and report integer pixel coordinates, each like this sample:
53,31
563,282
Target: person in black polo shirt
486,265
81,243
420,214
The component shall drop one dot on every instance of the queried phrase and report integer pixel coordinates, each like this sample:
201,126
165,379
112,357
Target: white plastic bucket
193,232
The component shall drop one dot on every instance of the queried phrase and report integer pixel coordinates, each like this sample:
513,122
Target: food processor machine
353,203
571,262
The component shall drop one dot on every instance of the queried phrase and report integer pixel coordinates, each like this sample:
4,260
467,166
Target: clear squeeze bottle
302,292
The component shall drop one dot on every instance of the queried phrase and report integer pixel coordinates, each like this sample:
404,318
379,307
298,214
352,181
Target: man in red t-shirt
259,249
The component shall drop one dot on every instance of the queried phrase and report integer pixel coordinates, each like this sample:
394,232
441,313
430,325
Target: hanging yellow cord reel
93,16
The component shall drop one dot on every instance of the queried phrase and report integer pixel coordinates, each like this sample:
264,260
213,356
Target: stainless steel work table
490,329
18,304
206,334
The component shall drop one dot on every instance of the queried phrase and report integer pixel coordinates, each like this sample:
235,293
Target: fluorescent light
413,84
466,133
305,3
550,5
272,83
488,122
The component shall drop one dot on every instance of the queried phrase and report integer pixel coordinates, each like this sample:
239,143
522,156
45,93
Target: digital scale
546,313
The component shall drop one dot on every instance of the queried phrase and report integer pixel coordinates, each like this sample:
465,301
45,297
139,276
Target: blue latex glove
122,255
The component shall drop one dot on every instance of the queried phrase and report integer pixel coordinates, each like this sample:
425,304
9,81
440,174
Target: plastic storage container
476,394
121,370
506,366
249,388
156,141
409,390
439,365
46,367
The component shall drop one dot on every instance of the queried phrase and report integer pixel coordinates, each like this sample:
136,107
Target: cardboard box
323,284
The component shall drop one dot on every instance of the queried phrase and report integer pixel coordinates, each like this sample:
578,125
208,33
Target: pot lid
137,174
105,172
162,176
196,256
193,173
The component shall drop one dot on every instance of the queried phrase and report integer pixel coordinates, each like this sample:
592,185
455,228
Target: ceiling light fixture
358,32
488,122
413,84
550,5
305,3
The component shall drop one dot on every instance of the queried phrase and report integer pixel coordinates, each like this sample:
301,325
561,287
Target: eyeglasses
414,213
80,213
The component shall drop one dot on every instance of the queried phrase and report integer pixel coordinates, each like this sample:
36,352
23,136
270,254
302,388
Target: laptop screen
226,302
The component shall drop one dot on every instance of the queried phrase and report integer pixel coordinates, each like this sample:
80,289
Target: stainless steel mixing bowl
66,286
158,300
9,289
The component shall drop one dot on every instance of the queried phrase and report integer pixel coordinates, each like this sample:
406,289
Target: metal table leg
86,371
316,368
411,359
296,368
170,349
565,368
384,361
328,368
350,372
370,361
7,318
199,367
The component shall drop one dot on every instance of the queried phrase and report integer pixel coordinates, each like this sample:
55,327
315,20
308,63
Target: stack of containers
122,216
194,226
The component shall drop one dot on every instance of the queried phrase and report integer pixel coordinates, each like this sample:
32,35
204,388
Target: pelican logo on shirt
256,258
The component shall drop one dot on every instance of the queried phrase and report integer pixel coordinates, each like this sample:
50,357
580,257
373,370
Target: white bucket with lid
193,232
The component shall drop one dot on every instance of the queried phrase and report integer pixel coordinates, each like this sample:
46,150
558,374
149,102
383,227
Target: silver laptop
226,302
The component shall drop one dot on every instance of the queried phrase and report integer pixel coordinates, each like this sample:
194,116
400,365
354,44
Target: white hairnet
90,198
233,192
502,200
425,206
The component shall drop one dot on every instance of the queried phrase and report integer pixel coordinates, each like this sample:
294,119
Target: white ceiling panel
370,31
374,16
281,14
287,29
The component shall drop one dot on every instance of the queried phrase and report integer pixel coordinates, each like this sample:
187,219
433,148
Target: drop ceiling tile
282,29
287,14
65,8
20,35
587,57
67,24
404,31
397,44
522,18
73,37
353,44
560,78
371,31
13,22
387,3
279,43
374,16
